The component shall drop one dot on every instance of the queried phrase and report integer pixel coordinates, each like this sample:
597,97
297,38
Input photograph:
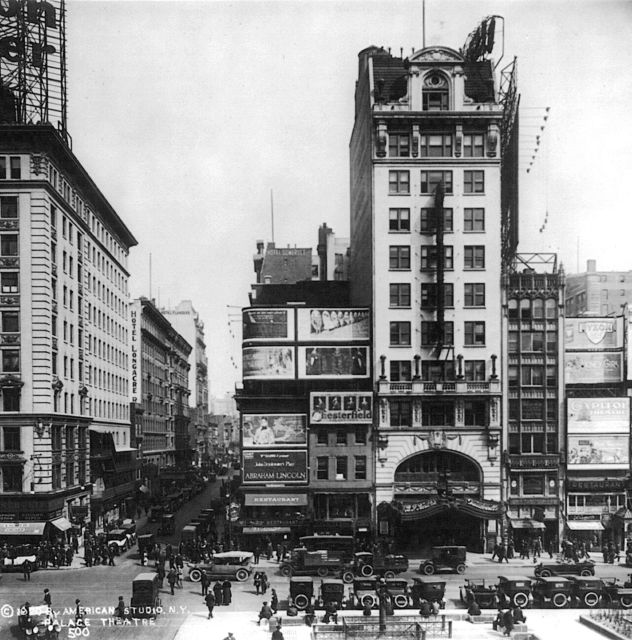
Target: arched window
436,95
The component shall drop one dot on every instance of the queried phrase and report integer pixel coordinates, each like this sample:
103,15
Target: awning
252,530
22,528
276,499
584,525
122,448
143,489
61,523
526,523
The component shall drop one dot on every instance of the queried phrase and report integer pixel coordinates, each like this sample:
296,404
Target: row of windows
10,168
532,375
473,370
341,436
536,308
399,181
342,468
532,443
473,294
473,219
435,145
473,333
399,257
438,413
532,341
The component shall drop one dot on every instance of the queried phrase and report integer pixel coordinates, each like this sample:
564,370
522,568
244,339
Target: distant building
333,255
599,293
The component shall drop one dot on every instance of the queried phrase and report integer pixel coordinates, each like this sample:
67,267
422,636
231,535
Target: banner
593,367
268,362
593,333
287,467
268,324
598,415
598,451
333,325
333,362
337,408
274,430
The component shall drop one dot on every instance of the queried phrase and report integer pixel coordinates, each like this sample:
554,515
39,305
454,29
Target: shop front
343,514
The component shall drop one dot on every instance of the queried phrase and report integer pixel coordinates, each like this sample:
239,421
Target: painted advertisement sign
286,467
276,430
268,324
268,362
584,367
135,352
598,451
333,325
337,408
593,333
598,415
333,362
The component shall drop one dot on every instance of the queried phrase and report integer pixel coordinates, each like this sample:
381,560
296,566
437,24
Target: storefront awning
22,528
584,525
253,530
61,523
276,499
526,523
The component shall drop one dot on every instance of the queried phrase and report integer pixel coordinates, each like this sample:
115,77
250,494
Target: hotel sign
135,351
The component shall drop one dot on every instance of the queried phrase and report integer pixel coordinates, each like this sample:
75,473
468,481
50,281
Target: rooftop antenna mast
423,24
272,212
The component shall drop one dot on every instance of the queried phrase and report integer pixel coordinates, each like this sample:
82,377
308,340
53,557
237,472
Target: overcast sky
186,114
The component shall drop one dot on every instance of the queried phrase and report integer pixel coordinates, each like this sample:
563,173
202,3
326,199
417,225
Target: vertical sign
135,351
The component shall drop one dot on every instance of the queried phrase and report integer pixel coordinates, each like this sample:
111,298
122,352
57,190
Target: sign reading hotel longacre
598,415
336,408
593,333
264,466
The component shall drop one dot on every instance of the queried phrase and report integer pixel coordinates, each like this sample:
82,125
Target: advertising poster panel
597,367
593,333
268,324
275,430
268,362
341,408
333,362
334,325
264,466
598,451
598,415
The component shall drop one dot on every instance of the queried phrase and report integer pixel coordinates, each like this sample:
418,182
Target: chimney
591,266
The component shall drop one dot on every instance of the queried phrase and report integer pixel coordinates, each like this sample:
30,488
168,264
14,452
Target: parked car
18,555
587,592
331,590
145,602
515,591
40,622
400,593
616,592
445,558
230,565
431,590
189,533
367,564
130,531
581,568
312,563
555,591
364,592
117,539
301,591
485,594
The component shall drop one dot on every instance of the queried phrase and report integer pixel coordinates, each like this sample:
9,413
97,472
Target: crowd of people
55,553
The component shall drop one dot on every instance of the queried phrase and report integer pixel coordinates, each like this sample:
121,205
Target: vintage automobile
547,569
367,564
364,592
555,591
311,563
145,602
586,592
399,592
18,555
190,532
331,590
146,543
167,524
38,622
301,591
514,591
446,558
129,526
430,590
117,539
616,592
485,594
229,565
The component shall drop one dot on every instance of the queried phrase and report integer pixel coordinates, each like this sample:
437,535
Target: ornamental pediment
437,54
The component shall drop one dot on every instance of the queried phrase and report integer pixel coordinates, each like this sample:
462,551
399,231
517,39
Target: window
360,434
341,437
427,221
437,414
12,477
10,360
56,437
399,182
56,475
474,219
437,370
399,257
532,375
9,281
398,145
474,294
9,207
70,438
399,294
532,341
15,168
400,370
474,334
474,257
429,257
437,145
321,436
532,410
435,93
11,438
341,467
399,219
400,333
360,467
430,333
473,145
70,473
9,244
532,484
429,295
11,399
475,413
401,412
10,322
431,179
474,181
474,370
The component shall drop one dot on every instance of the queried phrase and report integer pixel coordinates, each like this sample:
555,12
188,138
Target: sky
187,115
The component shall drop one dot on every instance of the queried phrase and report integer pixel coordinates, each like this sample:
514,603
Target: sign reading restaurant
337,408
287,467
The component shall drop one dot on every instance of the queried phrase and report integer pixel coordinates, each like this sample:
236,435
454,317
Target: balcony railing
424,386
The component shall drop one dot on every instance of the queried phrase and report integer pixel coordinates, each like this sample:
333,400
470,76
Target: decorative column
381,140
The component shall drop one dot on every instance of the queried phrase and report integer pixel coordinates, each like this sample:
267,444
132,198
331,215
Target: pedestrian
265,613
264,583
227,592
69,555
121,609
278,552
75,543
367,609
204,582
507,622
310,614
256,554
424,608
179,577
269,550
210,603
172,579
47,598
218,593
277,634
161,573
331,612
142,557
79,621
274,601
26,570
110,556
257,581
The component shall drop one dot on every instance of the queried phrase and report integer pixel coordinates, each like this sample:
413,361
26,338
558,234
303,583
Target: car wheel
242,575
591,599
368,601
195,575
460,569
389,575
428,569
587,572
545,573
322,572
520,599
347,577
559,600
366,570
301,601
286,570
400,601
626,602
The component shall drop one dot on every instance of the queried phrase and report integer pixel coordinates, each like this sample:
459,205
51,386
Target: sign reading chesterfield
336,408
593,333
598,415
287,467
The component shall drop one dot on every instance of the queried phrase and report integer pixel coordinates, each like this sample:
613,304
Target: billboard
333,362
593,333
333,325
341,408
287,467
598,415
598,451
268,324
583,367
267,362
274,430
